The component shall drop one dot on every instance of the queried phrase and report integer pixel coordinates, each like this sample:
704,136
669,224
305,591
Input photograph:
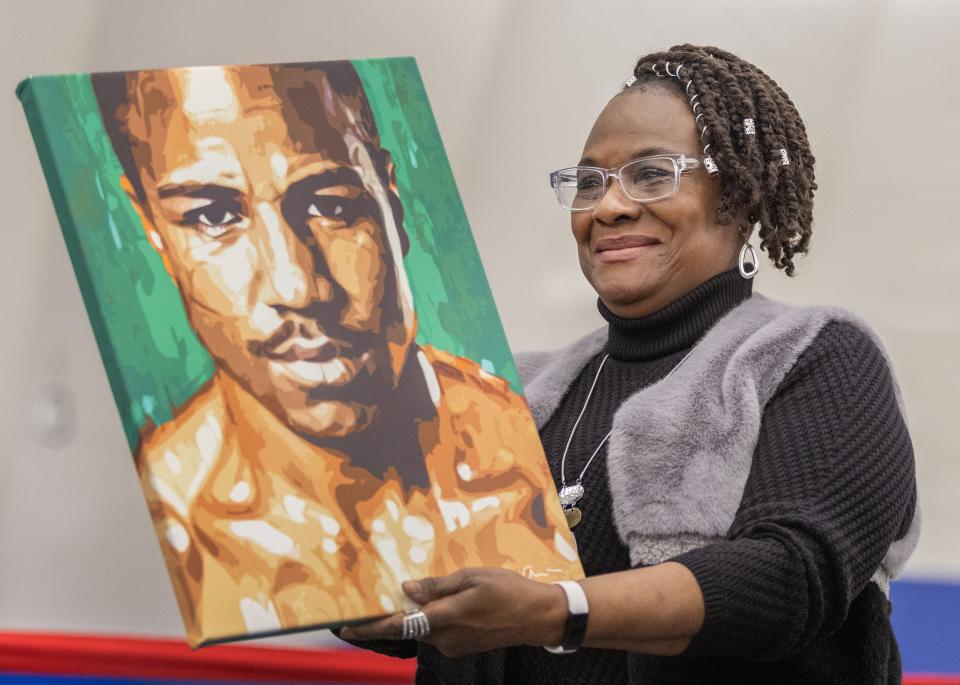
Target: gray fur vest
681,448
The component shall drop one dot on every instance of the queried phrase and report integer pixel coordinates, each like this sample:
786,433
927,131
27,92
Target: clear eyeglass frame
680,162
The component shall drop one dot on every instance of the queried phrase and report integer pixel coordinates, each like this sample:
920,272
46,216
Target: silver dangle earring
748,269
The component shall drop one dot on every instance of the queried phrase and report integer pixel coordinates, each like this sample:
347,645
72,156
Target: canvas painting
304,350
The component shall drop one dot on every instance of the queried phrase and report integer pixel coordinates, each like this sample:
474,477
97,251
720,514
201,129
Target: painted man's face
276,243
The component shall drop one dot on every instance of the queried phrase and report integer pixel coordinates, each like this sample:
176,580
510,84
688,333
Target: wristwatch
577,612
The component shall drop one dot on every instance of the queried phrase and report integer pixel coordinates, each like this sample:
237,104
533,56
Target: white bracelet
578,610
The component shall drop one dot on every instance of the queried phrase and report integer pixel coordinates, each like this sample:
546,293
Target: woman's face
674,244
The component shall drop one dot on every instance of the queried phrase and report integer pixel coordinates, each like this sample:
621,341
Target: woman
747,479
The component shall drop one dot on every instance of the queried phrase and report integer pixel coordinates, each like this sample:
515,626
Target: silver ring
654,67
415,625
687,88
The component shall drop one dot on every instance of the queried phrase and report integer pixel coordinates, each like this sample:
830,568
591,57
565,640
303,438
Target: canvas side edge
27,94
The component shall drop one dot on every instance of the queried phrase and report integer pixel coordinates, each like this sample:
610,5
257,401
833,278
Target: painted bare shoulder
485,429
465,370
175,458
490,478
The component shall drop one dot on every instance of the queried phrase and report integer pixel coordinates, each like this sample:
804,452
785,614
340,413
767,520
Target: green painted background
152,358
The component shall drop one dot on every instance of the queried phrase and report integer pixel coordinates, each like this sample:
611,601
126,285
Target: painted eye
213,221
216,227
217,217
336,208
325,208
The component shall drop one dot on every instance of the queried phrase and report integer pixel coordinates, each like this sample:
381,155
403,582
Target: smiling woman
738,471
681,244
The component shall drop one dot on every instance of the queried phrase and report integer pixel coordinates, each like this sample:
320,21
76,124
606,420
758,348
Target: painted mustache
309,355
295,341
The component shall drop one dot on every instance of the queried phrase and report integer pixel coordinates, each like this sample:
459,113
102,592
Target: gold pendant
573,515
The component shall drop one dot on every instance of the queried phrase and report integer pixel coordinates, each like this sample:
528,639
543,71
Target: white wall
515,87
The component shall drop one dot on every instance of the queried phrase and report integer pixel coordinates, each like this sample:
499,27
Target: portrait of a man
330,456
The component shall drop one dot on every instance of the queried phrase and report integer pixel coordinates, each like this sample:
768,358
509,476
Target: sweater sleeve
831,486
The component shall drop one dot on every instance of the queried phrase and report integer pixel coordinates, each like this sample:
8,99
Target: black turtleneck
832,428
678,326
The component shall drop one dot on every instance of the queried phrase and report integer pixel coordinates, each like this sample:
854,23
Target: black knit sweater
786,592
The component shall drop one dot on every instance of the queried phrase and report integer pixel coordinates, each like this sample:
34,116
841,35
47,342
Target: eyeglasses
581,188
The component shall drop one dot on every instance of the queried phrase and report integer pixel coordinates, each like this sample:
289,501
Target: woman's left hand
476,610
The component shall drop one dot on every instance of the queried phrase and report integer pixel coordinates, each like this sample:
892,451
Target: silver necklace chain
571,494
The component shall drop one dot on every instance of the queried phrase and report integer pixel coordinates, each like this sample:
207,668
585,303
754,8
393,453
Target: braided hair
753,139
